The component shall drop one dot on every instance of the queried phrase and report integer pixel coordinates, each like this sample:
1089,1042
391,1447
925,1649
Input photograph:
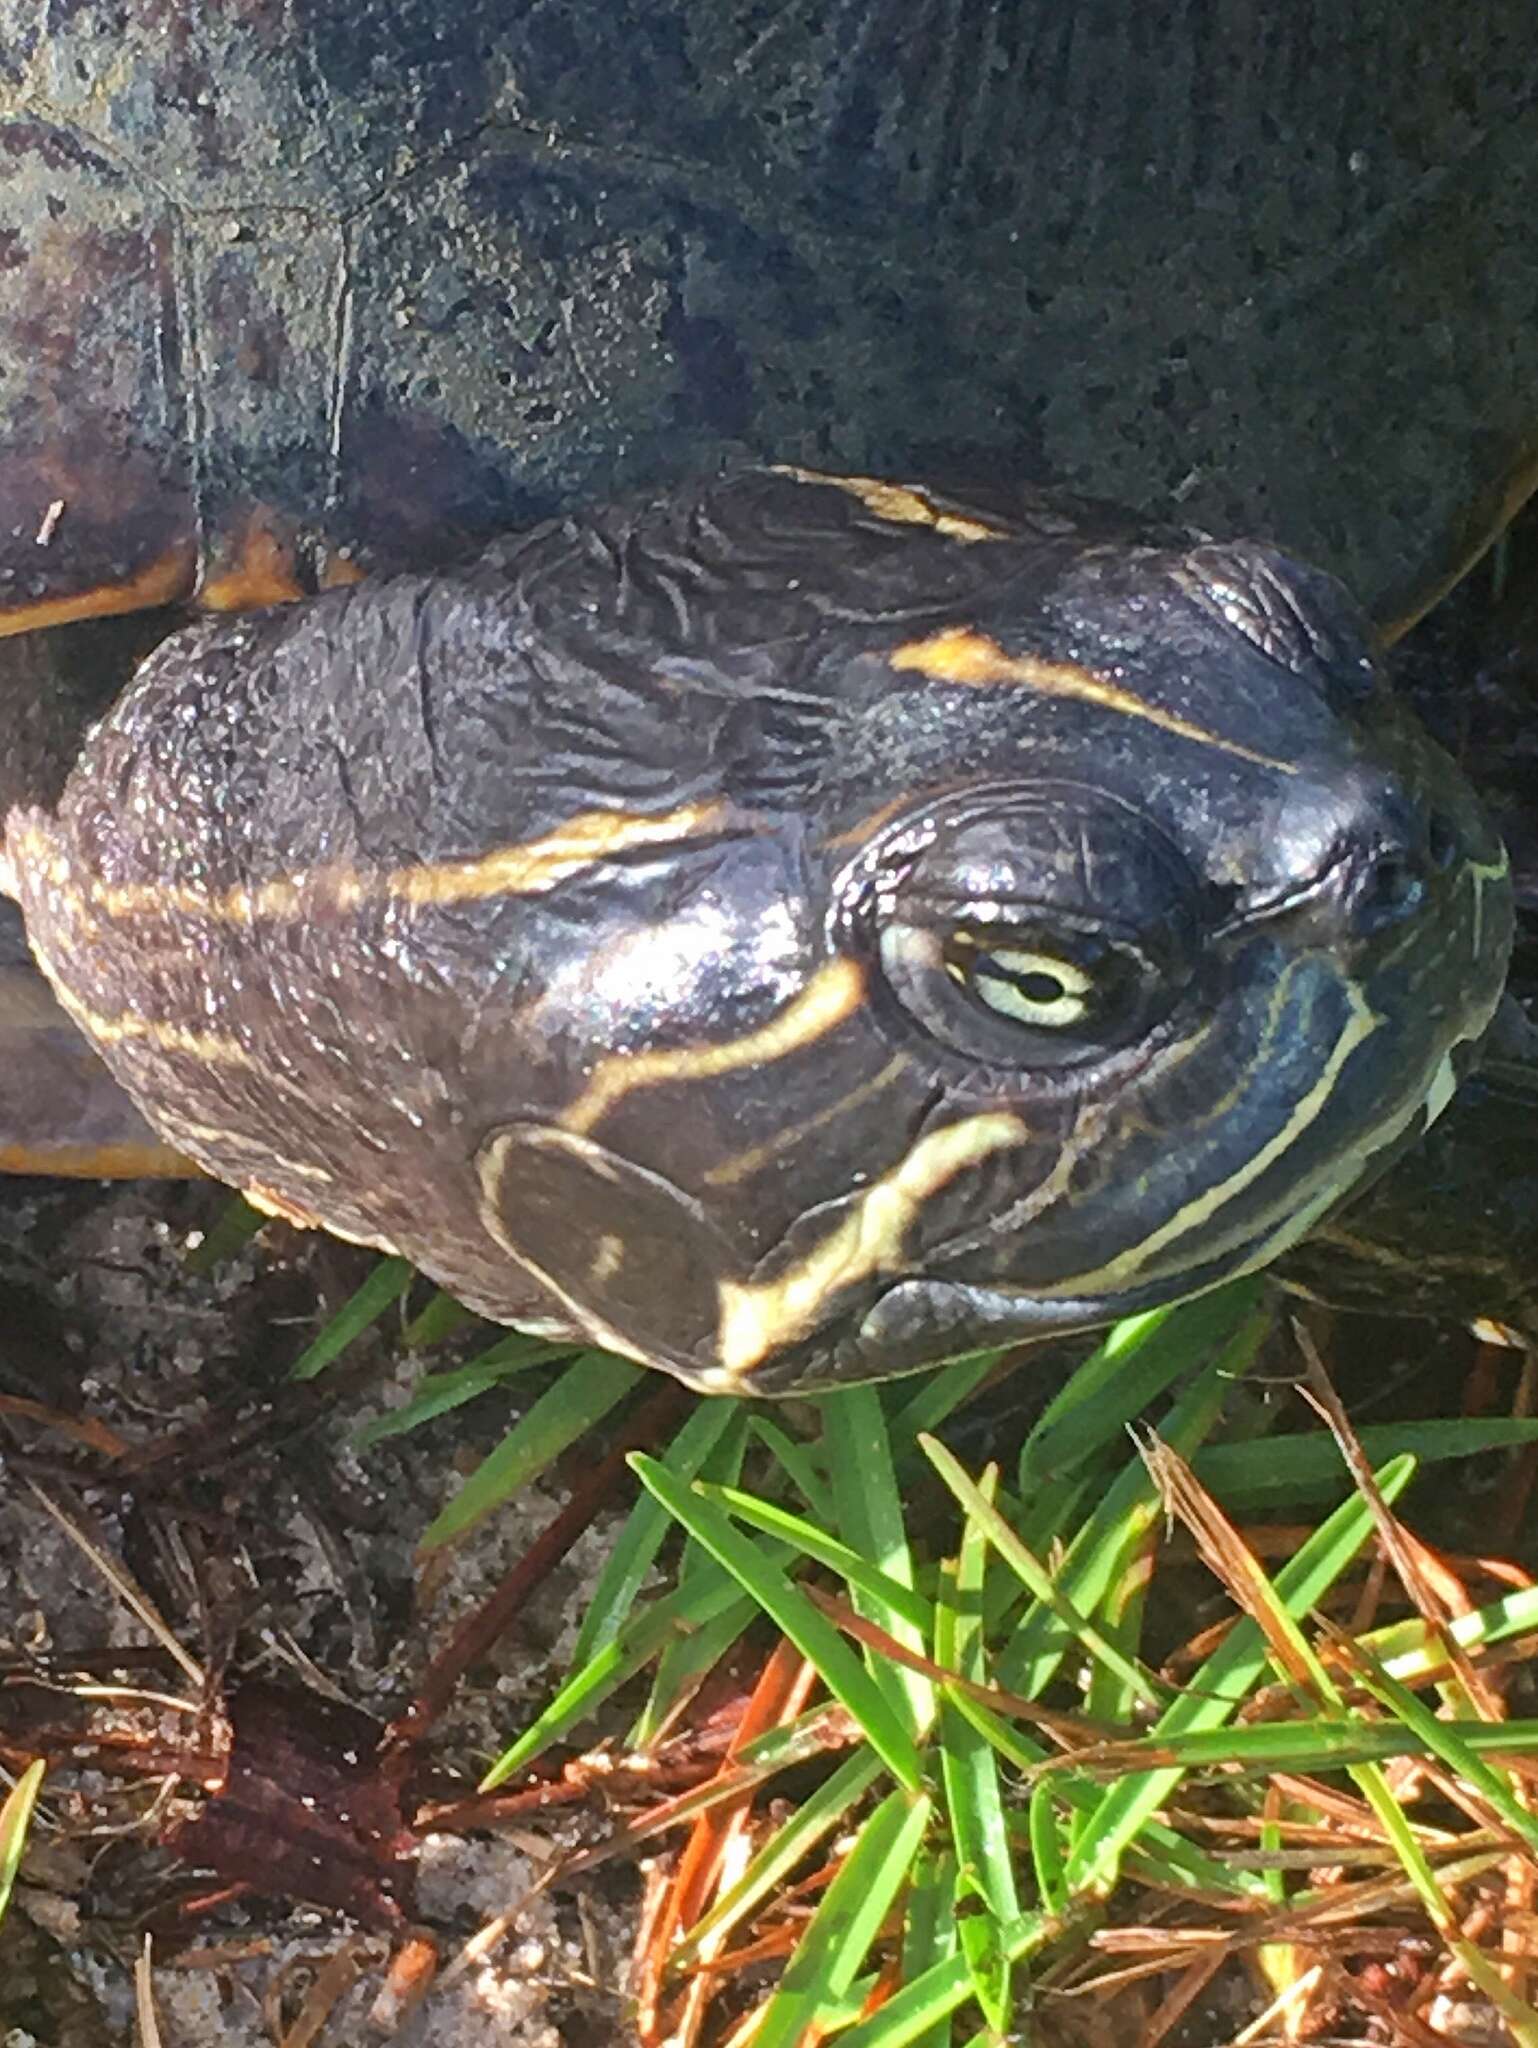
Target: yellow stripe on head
759,1318
528,868
832,996
900,504
957,654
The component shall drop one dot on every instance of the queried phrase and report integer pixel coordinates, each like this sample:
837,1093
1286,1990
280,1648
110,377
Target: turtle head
1205,947
1116,927
1199,947
793,931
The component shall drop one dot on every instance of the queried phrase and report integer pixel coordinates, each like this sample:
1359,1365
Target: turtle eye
1029,984
1020,998
1028,933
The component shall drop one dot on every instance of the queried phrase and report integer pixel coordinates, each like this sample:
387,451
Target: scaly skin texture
286,290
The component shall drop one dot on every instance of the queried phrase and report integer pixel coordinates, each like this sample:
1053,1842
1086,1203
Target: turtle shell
286,291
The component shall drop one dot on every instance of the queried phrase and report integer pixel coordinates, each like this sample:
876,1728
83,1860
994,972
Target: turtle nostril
1443,841
1389,889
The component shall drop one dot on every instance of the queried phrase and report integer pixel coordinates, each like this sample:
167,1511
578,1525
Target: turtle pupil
1033,987
1037,988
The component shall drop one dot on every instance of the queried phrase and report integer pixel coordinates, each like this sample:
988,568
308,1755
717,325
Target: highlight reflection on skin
660,982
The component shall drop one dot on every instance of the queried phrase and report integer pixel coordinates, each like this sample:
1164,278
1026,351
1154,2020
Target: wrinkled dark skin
1452,1232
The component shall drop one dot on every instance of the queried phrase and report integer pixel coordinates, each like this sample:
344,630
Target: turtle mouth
916,1322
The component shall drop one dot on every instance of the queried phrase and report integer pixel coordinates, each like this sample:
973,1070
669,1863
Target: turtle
366,291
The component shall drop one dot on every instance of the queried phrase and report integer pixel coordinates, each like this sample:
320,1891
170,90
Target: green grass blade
636,1546
439,1393
593,1384
828,1956
925,2001
1315,1744
929,1928
813,1635
384,1285
435,1394
233,1227
1407,1650
438,1318
15,1821
870,1519
937,1395
799,1466
1047,1847
988,1966
969,1764
985,1899
1138,1360
1232,1670
1100,1551
813,1820
688,1659
688,1608
1276,1470
1170,1853
1482,1970
899,1601
1442,1739
1037,1580
1107,1697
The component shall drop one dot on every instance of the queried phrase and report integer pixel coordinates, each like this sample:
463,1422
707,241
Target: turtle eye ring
1028,996
1027,984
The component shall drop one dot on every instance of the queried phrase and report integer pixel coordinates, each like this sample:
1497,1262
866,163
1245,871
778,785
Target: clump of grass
983,1785
1018,1810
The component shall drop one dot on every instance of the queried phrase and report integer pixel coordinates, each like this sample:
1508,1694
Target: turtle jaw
916,1324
